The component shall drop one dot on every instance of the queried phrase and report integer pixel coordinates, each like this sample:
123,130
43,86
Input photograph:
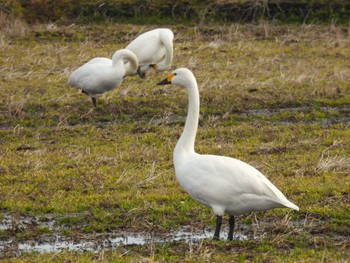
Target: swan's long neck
185,144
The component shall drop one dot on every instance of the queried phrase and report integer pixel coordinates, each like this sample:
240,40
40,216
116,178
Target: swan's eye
175,74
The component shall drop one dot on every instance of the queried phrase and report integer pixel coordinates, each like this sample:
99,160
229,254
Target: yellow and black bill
167,80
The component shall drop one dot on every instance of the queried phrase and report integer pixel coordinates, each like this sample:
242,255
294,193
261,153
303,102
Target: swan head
180,76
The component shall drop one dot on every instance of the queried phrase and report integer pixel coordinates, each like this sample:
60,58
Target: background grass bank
179,11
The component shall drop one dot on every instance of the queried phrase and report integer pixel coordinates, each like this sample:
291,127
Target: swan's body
221,183
103,74
153,49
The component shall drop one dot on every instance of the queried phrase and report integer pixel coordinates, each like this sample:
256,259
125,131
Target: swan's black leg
231,223
142,75
94,101
218,227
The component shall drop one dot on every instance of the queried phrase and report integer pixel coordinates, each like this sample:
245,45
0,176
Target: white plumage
103,74
221,183
153,49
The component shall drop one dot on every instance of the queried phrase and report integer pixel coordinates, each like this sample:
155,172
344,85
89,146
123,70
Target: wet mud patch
16,222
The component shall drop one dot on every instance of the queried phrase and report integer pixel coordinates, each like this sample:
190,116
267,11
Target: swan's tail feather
293,206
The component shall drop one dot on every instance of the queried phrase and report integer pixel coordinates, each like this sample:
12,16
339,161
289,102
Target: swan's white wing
228,184
95,78
87,71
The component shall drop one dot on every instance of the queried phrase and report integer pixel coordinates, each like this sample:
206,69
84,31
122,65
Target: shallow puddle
92,242
96,242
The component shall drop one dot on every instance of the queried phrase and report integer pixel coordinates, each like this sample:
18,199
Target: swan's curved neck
131,67
185,144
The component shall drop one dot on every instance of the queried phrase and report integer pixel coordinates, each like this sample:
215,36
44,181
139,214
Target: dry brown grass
339,164
12,26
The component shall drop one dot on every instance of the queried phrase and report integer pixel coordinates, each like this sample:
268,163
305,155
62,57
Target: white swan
153,49
221,183
103,74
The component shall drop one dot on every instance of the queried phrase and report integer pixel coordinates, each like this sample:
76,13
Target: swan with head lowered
153,49
103,74
221,183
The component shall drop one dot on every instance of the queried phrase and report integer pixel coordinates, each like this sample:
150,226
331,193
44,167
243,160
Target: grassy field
277,97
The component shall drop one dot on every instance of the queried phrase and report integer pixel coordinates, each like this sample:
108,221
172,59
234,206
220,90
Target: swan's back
99,60
149,46
228,184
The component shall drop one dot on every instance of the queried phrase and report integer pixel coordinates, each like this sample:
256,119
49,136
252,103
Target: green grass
276,97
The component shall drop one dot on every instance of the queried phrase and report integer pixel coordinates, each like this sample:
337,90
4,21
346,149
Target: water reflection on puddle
96,242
